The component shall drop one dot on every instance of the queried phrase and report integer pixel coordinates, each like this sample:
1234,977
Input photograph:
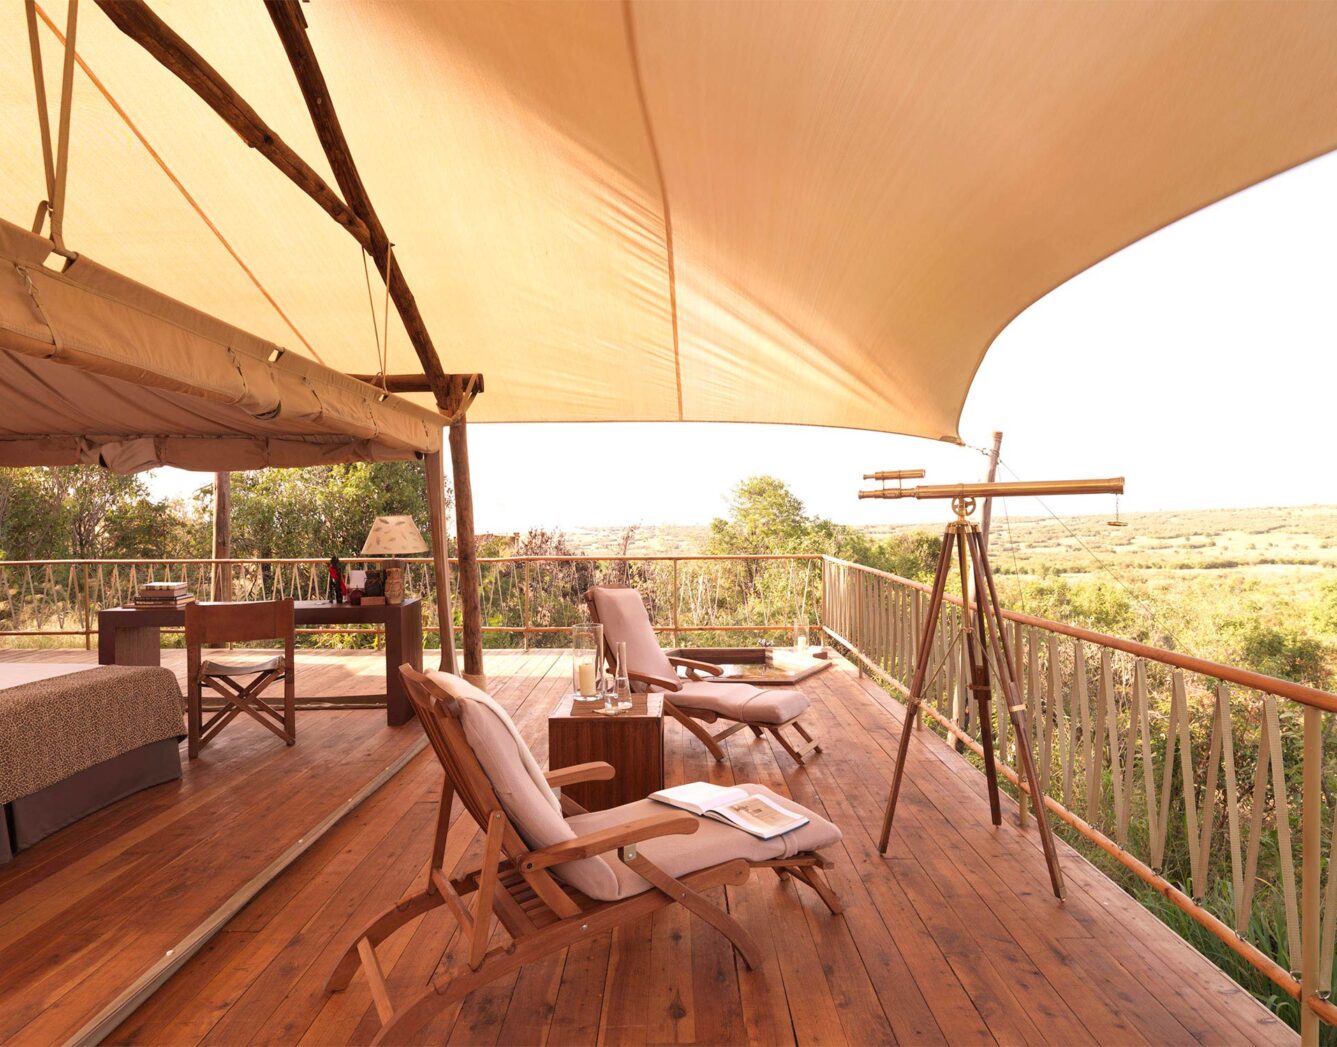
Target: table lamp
394,536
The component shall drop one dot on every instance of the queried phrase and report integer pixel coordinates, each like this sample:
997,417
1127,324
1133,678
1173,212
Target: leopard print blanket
51,729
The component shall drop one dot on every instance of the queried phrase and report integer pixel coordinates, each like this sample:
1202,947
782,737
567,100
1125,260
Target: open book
756,814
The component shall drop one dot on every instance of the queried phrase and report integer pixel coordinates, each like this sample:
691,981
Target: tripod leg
916,685
903,751
1017,712
990,768
979,681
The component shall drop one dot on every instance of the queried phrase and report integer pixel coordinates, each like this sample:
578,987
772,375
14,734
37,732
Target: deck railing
1211,784
526,600
1200,779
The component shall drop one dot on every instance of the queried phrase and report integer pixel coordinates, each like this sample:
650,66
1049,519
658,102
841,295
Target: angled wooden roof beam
137,20
291,25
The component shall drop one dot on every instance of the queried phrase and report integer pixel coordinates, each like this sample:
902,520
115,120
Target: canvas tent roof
727,211
97,369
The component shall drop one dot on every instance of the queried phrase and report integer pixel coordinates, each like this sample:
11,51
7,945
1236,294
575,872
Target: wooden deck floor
952,938
88,912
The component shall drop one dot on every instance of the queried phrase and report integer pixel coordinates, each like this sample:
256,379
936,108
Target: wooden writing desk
632,741
133,636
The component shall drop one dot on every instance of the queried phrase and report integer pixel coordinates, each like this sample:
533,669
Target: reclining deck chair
624,618
551,872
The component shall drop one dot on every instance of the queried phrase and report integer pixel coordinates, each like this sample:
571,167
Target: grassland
1183,573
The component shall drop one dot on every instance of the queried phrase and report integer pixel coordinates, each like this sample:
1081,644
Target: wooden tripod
987,647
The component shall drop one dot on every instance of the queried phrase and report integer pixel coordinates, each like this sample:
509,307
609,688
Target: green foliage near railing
1109,727
526,601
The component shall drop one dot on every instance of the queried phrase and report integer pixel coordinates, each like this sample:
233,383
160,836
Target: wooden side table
632,741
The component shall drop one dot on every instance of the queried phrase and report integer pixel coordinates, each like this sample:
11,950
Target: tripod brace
986,641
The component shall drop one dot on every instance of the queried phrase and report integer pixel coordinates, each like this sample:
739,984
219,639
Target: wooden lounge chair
695,701
552,873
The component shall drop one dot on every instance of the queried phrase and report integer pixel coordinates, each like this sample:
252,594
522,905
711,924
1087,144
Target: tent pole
986,513
470,602
221,587
436,515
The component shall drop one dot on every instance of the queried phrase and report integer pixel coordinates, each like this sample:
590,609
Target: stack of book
163,594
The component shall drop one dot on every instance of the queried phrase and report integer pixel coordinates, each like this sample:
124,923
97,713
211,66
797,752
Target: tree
1286,653
1325,608
766,517
86,512
324,510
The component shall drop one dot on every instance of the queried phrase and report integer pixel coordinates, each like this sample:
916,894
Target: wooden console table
133,636
632,741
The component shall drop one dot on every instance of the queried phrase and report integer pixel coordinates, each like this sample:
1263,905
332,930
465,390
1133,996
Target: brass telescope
896,474
1014,489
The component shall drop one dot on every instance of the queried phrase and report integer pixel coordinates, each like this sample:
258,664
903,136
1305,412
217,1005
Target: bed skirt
30,818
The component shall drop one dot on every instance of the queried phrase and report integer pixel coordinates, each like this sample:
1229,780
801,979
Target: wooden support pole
221,589
436,516
290,23
986,514
471,607
141,24
416,383
137,21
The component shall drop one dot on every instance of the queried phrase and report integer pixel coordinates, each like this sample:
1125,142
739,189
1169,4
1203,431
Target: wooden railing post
1310,847
674,612
821,611
88,610
524,606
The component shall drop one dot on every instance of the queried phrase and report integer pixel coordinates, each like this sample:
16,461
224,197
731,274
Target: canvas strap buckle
57,346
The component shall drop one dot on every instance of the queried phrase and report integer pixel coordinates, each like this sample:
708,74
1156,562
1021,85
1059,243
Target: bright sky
1200,363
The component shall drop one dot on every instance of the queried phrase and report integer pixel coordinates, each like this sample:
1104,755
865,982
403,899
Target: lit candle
585,672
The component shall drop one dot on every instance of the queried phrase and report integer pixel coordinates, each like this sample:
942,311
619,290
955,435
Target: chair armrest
598,771
670,823
666,683
693,666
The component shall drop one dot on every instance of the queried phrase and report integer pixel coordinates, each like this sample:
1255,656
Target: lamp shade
393,536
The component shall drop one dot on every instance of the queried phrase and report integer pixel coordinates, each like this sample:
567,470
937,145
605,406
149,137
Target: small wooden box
632,741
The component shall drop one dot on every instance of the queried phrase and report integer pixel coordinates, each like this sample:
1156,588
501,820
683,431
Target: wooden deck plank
86,912
953,937
1142,954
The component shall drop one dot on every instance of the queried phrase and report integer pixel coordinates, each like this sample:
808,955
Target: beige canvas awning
98,369
819,213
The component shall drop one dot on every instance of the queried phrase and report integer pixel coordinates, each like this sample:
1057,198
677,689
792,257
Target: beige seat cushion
233,667
529,803
742,701
712,843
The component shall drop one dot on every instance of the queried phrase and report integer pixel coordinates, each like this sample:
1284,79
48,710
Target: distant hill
1208,539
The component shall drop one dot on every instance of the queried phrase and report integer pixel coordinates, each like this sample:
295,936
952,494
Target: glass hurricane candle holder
587,675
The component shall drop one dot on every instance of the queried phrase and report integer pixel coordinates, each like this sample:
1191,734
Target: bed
72,742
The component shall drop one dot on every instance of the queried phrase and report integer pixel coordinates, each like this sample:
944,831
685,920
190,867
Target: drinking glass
621,680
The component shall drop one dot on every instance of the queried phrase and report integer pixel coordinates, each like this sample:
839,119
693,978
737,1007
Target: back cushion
624,618
527,803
